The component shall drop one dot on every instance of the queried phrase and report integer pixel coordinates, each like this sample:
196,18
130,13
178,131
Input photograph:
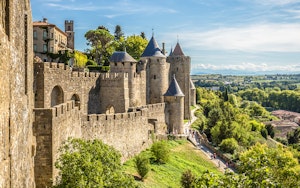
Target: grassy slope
183,156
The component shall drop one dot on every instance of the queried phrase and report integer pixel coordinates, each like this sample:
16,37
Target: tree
160,152
228,145
294,136
142,165
270,166
90,164
135,45
100,40
118,32
143,35
80,59
187,179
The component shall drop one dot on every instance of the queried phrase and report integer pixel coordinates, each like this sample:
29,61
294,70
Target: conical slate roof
177,51
171,52
174,89
192,86
121,57
152,49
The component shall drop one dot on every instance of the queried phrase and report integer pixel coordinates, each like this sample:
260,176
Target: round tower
122,62
174,99
180,65
157,70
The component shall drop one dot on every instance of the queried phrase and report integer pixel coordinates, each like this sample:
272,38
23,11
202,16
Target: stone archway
76,98
57,96
110,110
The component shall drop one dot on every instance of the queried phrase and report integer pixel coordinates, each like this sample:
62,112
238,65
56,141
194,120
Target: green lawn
183,156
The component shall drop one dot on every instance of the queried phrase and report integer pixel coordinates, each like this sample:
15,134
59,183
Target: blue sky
219,35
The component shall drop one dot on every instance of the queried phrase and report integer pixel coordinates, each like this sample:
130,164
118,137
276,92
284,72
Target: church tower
157,70
180,65
174,103
69,30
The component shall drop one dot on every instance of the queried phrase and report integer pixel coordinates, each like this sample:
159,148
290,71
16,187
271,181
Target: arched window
110,110
57,96
76,98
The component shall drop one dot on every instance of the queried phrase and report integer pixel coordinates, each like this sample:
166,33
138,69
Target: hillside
184,156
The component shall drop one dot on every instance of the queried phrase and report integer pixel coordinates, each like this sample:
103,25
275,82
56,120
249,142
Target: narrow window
6,21
34,47
34,35
45,34
26,49
154,77
45,49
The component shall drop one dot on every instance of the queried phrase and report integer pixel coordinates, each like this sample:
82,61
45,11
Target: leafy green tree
80,59
229,145
142,165
135,45
294,136
100,40
271,167
160,152
90,164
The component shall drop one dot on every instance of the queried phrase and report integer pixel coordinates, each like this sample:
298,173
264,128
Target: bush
160,152
228,145
91,62
187,179
142,165
264,133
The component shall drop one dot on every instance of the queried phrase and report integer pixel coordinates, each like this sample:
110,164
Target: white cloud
277,2
247,66
253,38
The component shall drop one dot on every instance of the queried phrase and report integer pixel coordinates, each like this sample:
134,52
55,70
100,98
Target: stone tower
157,70
17,148
180,65
69,30
122,62
175,107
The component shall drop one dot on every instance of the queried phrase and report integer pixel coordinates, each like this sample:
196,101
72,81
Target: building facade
49,39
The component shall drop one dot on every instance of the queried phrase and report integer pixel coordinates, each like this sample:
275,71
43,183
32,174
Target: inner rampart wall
129,133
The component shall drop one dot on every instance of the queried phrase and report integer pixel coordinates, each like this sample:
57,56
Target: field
183,156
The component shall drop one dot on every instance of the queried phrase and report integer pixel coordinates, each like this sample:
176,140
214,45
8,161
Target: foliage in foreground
260,167
90,164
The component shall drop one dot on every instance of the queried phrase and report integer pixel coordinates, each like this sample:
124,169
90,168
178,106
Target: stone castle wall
52,127
16,98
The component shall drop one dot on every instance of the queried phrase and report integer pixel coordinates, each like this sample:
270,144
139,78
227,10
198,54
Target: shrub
187,179
142,165
160,152
264,133
228,145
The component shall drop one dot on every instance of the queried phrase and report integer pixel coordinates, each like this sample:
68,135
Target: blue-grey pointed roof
174,89
192,85
171,51
152,49
119,56
177,51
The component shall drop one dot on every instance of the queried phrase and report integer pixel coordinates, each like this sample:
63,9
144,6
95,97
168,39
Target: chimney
163,49
45,20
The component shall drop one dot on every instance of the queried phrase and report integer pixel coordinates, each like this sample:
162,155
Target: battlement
113,76
172,59
47,66
63,109
69,21
150,107
112,117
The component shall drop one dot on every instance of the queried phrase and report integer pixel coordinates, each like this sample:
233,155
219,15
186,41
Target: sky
220,36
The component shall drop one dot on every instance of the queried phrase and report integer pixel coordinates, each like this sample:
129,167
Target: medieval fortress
43,104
